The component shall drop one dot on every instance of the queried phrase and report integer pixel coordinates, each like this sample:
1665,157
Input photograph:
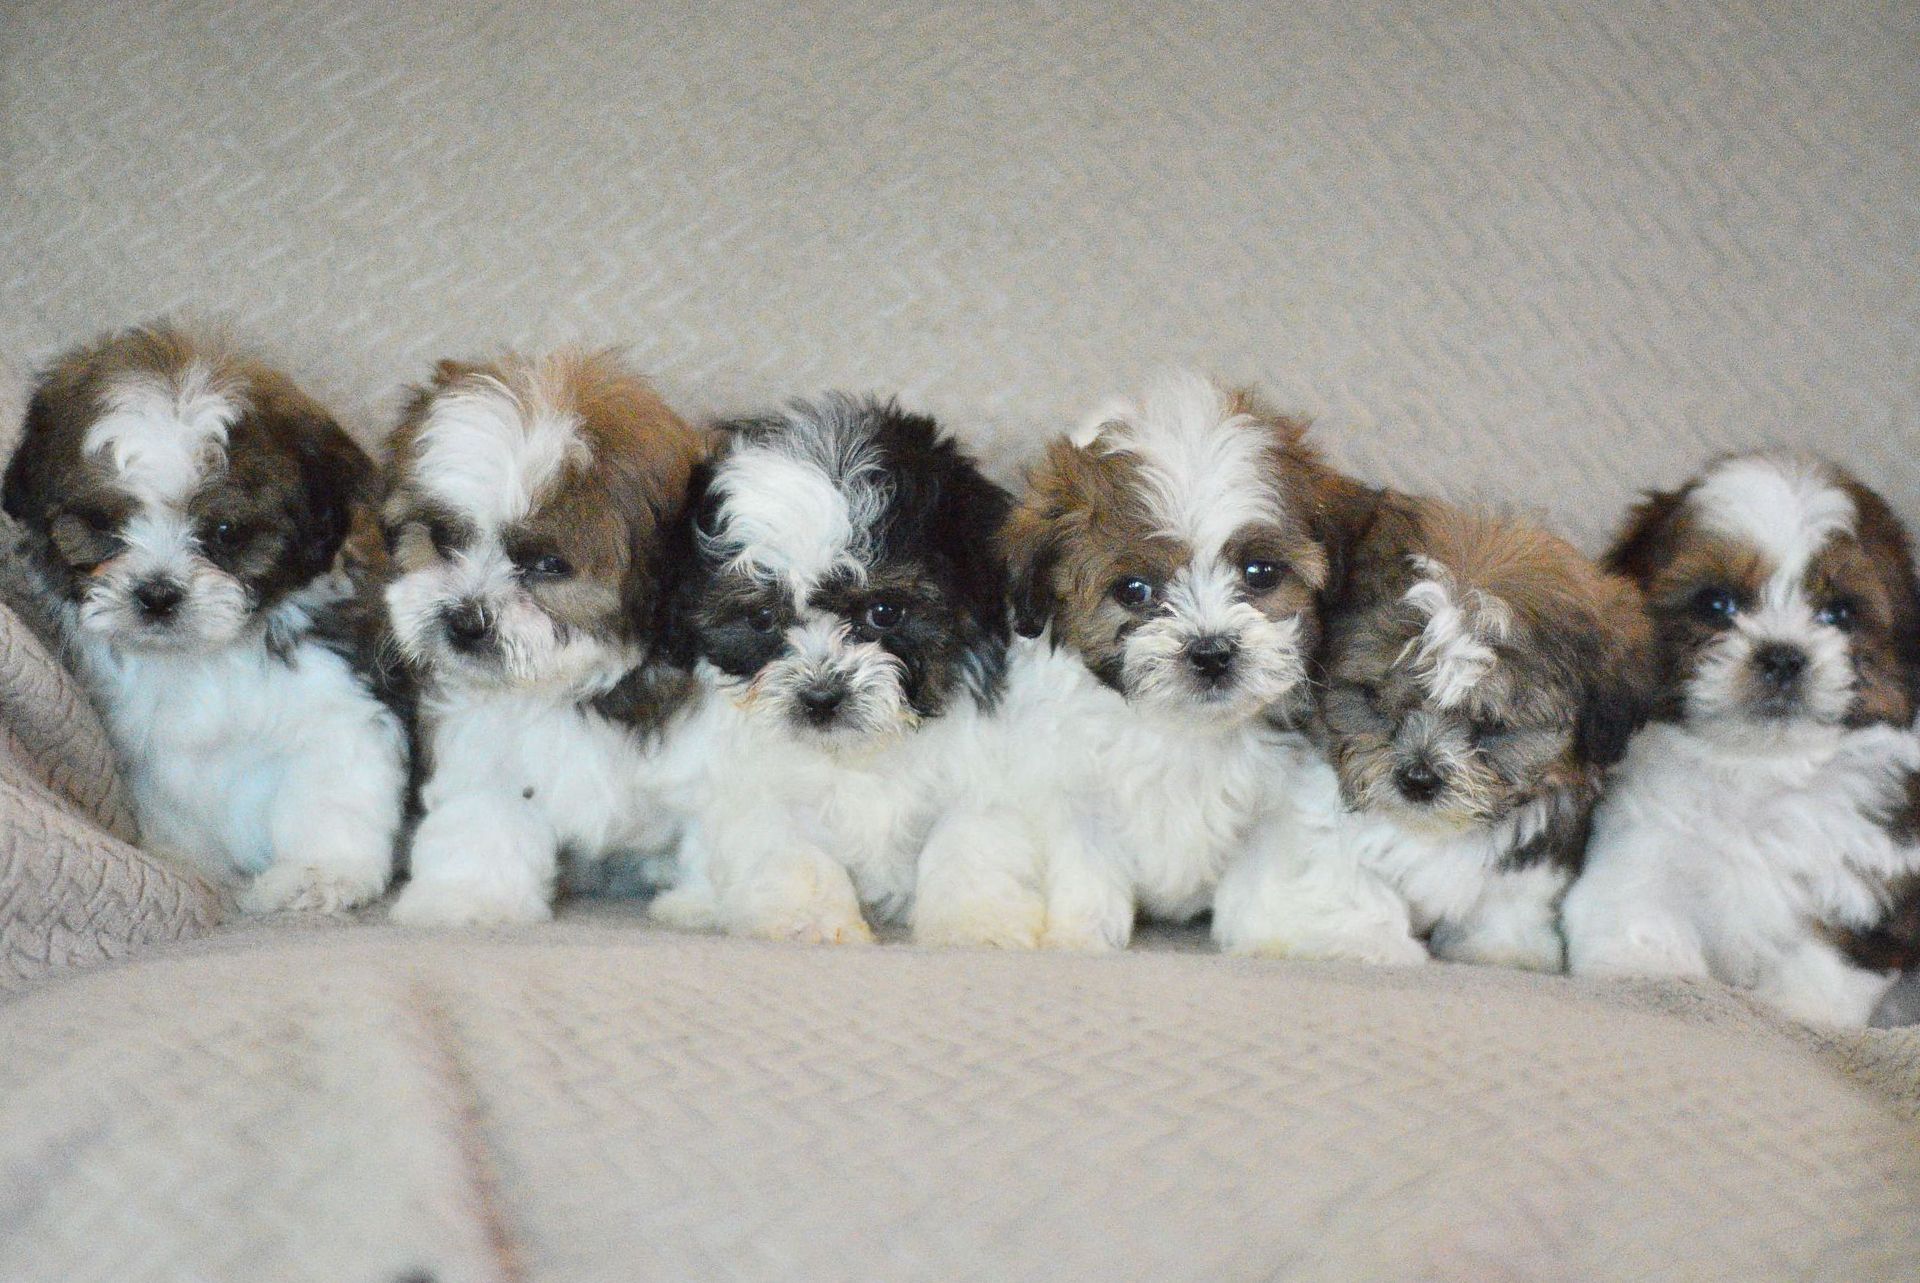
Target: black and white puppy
847,611
1764,830
536,507
184,505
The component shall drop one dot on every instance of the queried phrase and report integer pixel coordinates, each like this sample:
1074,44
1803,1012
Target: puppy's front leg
333,825
1814,983
978,882
1090,901
481,858
1296,892
772,880
1515,923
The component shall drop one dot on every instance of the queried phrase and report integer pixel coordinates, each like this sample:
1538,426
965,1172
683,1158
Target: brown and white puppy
1480,675
534,517
184,505
1167,561
1765,828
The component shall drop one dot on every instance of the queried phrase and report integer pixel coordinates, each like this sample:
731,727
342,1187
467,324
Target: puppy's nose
158,598
1417,782
1211,657
819,702
1780,664
466,625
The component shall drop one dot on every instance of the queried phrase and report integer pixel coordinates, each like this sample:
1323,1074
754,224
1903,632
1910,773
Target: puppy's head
175,491
1476,664
533,503
1783,598
1178,544
847,582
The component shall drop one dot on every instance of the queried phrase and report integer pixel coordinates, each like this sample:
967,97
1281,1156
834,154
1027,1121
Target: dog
1166,561
535,515
846,612
1480,674
1764,830
184,507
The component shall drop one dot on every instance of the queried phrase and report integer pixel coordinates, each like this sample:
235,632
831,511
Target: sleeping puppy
1480,675
535,511
184,505
1167,560
1765,829
847,612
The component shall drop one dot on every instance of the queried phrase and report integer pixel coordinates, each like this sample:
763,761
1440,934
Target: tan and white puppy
1166,561
535,514
184,506
1480,674
1764,830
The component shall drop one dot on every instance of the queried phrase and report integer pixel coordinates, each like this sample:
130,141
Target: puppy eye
1133,592
548,565
1261,576
1839,614
882,615
223,535
1485,731
1716,605
1371,694
762,619
440,534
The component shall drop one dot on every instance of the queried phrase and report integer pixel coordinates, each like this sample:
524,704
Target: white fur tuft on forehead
1205,465
165,432
1454,651
804,499
1786,507
490,450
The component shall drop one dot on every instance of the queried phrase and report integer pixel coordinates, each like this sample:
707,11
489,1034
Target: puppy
1479,676
847,611
183,507
1765,828
535,508
1166,561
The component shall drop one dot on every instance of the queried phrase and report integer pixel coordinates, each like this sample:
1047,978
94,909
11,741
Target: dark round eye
440,535
1133,592
222,534
882,615
1484,731
1716,605
550,565
1837,614
1260,576
762,619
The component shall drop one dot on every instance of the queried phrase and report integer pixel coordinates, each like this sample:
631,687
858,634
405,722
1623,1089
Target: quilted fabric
603,1101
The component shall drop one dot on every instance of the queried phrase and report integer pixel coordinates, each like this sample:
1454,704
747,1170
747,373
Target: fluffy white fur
281,772
1323,881
1087,807
1455,649
1708,861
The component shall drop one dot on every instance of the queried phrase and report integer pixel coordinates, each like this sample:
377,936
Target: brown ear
337,480
1885,539
1031,540
1625,681
1646,534
1346,515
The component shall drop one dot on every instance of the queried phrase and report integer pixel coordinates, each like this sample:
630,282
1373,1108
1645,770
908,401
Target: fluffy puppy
1763,829
183,507
1166,561
847,609
1479,676
534,509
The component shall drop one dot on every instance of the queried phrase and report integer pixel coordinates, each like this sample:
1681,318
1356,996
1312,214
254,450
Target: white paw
292,887
460,904
988,924
1381,949
1531,951
818,924
1082,935
684,909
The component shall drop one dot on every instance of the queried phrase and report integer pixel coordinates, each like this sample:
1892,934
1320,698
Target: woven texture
1537,254
599,1100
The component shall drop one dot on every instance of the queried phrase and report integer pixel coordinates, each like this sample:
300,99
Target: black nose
1211,657
158,598
1779,664
466,625
1417,782
819,703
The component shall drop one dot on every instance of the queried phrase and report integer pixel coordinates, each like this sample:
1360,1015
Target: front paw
1380,949
293,887
1084,935
989,924
815,925
462,904
1538,950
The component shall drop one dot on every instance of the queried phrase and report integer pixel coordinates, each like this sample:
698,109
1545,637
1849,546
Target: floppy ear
1031,539
23,495
1621,693
335,477
681,572
1642,540
1343,519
